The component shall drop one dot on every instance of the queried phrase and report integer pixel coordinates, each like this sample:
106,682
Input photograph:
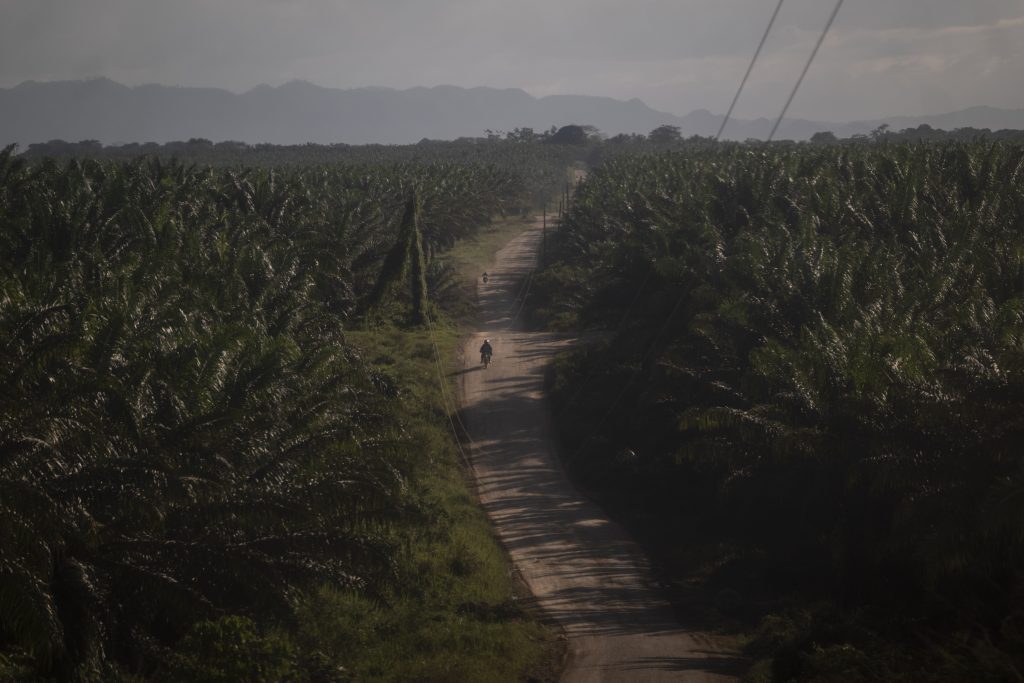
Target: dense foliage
815,361
539,167
185,433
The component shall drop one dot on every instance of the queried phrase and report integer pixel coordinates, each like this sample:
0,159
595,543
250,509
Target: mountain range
299,112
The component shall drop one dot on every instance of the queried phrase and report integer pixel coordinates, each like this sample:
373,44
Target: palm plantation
188,441
223,453
816,364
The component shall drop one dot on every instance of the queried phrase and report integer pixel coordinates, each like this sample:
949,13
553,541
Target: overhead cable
757,53
807,66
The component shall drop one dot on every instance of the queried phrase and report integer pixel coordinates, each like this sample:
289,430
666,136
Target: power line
678,304
757,53
807,66
447,401
675,309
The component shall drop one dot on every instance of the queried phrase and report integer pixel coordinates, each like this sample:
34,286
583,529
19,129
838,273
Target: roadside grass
455,617
470,257
453,611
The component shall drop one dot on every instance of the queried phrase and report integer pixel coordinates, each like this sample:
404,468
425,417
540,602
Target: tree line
189,444
813,380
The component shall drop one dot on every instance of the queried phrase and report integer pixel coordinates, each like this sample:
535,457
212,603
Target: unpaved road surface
583,569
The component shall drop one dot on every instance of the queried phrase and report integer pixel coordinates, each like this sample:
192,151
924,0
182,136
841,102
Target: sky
881,58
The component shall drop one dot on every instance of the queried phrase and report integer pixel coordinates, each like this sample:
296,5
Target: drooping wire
675,309
447,400
757,53
668,320
807,66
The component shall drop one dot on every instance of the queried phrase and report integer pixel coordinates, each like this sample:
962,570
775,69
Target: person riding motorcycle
485,352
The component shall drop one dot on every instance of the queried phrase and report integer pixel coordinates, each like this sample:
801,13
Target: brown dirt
583,569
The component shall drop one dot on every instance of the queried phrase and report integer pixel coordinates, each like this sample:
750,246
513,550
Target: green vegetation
458,620
539,167
811,398
474,255
211,467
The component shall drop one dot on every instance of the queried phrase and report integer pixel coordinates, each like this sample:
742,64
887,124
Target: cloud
882,57
920,69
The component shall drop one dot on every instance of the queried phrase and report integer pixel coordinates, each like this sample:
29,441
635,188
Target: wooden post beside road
544,237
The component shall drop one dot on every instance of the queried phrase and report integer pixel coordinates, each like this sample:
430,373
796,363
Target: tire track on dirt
582,568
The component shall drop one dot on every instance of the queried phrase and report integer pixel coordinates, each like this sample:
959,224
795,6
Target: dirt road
582,569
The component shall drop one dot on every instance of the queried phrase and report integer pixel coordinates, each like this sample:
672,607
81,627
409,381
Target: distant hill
296,113
800,129
300,112
973,117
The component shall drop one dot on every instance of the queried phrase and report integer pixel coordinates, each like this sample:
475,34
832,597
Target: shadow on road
583,569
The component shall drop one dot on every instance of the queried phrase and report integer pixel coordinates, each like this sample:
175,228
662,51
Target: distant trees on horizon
571,135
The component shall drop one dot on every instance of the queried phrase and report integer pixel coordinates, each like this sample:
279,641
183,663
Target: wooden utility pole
544,236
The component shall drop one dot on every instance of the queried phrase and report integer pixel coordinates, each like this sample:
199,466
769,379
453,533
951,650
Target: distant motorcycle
485,278
485,353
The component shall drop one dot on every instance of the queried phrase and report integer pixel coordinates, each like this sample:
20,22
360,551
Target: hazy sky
883,57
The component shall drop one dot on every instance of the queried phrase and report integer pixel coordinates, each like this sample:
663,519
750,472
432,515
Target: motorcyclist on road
485,278
485,352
